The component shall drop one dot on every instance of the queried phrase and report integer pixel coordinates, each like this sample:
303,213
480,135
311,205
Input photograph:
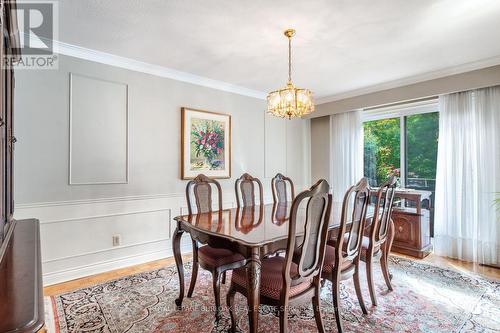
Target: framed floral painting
205,144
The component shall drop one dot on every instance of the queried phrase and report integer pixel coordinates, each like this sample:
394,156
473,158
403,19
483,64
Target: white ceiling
341,45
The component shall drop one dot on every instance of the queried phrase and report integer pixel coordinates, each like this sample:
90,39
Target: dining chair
215,260
294,279
342,259
245,191
279,187
377,245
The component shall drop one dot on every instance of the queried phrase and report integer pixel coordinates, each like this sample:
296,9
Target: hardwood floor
462,266
64,287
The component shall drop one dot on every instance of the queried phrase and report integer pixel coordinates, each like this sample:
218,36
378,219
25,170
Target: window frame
400,111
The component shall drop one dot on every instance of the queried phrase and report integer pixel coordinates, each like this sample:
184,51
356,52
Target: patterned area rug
425,299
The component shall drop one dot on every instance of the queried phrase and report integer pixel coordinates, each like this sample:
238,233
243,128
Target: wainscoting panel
77,236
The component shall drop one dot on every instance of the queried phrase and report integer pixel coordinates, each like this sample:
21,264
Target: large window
421,150
402,142
382,150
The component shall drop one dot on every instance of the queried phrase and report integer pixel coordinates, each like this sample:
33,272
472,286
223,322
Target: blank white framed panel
98,131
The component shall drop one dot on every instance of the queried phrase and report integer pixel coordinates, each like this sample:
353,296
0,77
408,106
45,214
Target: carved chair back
245,191
382,212
200,188
280,185
354,208
308,250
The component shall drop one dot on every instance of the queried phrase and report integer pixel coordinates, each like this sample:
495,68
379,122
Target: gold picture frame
205,144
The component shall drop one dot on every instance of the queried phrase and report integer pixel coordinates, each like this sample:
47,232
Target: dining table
255,232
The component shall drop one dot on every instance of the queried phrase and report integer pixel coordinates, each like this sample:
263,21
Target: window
381,150
421,150
402,141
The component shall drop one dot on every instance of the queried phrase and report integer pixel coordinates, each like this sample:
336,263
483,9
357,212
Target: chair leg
284,319
230,304
224,277
194,274
336,302
216,285
387,248
317,309
369,277
357,287
385,271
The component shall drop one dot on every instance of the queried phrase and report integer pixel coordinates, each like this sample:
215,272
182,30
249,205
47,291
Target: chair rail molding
143,222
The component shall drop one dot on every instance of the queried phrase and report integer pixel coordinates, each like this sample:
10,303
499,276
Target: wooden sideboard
21,292
412,223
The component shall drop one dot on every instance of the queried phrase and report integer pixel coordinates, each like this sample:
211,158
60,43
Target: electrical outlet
117,240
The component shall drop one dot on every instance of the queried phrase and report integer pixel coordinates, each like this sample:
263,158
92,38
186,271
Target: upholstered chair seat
329,262
271,281
365,245
216,257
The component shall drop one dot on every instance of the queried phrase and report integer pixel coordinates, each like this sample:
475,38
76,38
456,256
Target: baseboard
109,265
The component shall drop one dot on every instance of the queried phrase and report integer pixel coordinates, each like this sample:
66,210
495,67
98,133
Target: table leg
176,246
253,290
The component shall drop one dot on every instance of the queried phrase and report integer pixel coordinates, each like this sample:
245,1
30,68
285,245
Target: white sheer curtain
468,176
346,148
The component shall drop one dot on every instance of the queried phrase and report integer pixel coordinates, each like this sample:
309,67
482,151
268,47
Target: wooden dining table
254,232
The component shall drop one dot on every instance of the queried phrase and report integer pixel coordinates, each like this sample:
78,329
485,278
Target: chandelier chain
289,59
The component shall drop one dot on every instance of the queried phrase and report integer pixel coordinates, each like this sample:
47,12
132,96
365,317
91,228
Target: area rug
426,298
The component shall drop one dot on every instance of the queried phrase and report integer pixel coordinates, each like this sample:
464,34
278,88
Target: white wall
320,148
78,221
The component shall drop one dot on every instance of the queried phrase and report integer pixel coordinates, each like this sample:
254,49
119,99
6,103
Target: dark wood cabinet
21,293
411,216
9,48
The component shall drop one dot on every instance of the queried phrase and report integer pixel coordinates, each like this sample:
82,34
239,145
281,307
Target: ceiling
341,46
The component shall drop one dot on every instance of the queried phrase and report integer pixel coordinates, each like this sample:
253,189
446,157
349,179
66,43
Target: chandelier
290,102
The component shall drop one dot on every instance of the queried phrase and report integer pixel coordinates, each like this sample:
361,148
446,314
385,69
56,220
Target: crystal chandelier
290,102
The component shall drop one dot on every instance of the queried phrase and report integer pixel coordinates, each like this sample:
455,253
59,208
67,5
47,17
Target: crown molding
143,67
459,69
147,68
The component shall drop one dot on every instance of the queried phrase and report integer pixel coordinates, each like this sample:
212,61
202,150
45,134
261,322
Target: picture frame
205,144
